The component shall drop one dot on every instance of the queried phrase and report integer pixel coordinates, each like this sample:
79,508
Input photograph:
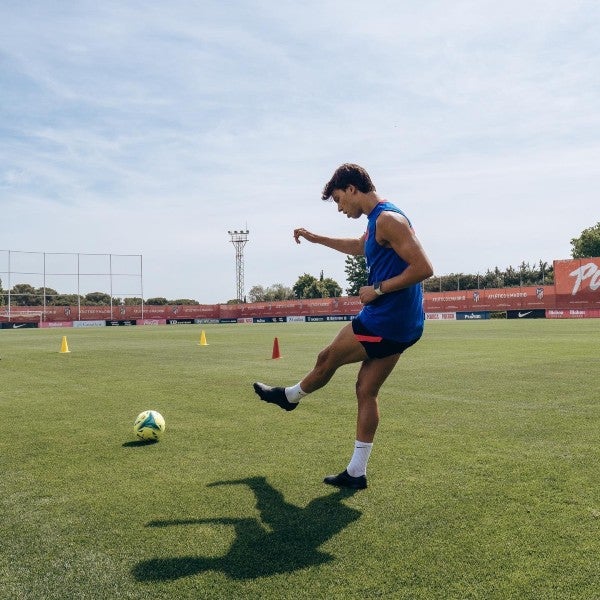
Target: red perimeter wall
576,287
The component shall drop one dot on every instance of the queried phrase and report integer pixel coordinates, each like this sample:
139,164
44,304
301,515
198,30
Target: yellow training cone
203,341
64,347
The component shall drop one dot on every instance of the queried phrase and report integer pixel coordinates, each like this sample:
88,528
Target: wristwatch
377,288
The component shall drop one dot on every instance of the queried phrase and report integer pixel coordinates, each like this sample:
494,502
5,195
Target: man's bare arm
352,246
394,231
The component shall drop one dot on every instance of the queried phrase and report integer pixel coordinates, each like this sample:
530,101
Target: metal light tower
239,240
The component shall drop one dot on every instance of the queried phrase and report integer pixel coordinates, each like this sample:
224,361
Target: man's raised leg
344,349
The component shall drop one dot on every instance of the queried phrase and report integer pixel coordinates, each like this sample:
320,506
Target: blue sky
153,128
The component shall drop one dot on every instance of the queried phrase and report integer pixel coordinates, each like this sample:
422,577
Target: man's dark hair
348,174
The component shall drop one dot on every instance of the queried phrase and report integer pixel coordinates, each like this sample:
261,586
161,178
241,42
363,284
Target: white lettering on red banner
589,271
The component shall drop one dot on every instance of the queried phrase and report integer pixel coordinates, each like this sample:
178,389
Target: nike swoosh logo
18,326
521,315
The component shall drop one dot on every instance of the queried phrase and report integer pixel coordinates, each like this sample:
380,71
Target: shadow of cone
276,353
64,346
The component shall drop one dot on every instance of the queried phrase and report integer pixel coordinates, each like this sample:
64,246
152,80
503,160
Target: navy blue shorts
377,346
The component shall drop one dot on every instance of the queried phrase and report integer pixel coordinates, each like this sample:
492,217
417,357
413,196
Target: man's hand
367,294
303,233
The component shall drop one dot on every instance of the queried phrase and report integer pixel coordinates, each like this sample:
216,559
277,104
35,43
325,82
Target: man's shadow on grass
290,541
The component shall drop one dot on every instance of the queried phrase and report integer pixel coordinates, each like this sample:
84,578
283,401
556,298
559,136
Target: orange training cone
203,341
64,347
276,353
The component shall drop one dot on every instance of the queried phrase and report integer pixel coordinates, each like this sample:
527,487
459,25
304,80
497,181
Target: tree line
523,276
585,246
309,286
23,294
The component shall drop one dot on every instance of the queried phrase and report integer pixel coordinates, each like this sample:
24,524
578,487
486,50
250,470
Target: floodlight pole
239,240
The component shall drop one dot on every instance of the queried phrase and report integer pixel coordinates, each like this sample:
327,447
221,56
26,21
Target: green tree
333,288
317,289
356,274
511,277
159,301
525,275
97,299
23,294
66,300
183,302
304,282
275,292
1,294
496,278
257,293
50,294
278,291
545,273
587,244
309,286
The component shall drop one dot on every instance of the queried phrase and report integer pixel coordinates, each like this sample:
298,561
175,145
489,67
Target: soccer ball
149,426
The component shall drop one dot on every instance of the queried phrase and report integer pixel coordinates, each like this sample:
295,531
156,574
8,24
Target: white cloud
154,129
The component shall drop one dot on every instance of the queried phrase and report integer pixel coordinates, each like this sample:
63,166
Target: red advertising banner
491,299
575,294
573,313
577,283
283,308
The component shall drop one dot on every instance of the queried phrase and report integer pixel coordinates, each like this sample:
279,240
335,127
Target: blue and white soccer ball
149,426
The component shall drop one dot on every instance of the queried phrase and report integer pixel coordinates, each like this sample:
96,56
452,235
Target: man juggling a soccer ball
390,321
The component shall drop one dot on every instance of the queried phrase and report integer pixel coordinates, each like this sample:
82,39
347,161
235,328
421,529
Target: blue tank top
399,315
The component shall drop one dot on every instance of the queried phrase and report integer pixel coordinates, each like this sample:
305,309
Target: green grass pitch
484,481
